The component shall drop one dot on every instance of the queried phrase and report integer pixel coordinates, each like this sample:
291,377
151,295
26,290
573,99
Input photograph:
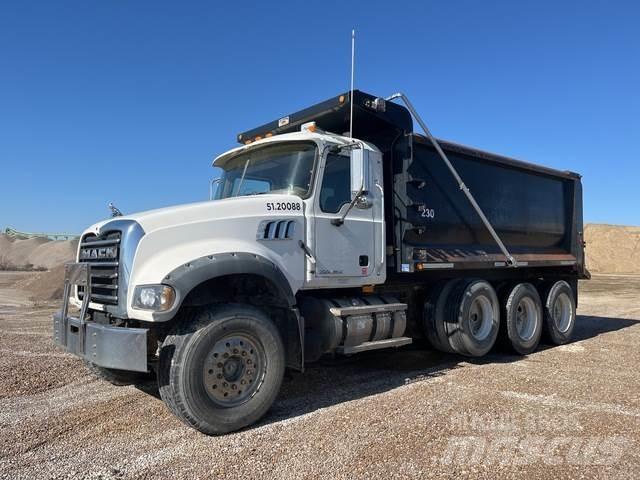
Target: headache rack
102,254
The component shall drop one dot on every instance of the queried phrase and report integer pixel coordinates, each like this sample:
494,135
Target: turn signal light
308,127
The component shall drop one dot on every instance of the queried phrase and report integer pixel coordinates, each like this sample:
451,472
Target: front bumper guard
103,345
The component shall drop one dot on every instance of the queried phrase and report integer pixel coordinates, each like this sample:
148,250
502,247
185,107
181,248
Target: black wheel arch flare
188,276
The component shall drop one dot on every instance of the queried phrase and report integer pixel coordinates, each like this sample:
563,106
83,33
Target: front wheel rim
562,312
234,370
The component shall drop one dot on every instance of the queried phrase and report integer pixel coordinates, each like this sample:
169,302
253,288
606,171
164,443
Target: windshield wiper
244,172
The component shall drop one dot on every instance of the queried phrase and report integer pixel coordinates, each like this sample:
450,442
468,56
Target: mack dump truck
333,231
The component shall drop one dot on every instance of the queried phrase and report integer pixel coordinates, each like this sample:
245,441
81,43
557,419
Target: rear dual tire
559,313
522,318
463,316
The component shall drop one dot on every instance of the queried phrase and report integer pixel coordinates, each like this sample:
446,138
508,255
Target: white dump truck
321,240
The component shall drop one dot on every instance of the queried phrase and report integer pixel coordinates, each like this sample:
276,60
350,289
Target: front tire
222,369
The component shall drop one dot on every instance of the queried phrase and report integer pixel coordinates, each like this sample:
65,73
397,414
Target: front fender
175,240
188,276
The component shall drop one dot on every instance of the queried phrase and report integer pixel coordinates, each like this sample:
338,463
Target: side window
336,184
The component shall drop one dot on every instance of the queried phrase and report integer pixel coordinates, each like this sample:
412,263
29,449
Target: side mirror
359,158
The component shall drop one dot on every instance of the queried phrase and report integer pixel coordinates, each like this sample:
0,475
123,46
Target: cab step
368,309
375,345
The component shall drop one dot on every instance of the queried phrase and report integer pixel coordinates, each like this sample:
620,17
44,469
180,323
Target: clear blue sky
129,101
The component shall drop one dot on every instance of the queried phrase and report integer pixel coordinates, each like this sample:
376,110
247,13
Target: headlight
154,297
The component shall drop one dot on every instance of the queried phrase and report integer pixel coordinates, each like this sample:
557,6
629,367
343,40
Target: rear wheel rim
562,312
527,318
481,317
234,370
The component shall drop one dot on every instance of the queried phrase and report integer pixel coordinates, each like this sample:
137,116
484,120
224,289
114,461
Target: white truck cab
317,176
310,202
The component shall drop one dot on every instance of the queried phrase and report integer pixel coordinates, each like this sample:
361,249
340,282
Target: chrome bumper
103,345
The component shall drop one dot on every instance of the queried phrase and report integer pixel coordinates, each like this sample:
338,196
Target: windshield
277,168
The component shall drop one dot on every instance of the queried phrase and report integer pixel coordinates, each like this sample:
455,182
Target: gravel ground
563,412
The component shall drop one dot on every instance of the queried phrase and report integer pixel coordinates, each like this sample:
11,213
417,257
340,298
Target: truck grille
103,254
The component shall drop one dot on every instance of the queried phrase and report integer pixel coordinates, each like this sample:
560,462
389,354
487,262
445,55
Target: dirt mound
44,286
612,248
37,252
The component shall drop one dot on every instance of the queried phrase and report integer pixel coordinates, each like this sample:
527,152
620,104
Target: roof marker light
308,127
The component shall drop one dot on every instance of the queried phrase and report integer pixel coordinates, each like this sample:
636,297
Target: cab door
345,254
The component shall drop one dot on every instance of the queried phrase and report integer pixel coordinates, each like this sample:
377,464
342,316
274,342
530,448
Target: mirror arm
346,146
214,181
340,220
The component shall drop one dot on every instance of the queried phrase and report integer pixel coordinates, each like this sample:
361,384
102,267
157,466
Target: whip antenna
353,55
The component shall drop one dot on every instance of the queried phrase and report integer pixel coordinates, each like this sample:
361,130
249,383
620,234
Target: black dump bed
431,225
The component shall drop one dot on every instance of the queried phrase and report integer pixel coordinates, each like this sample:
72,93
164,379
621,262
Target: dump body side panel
533,210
